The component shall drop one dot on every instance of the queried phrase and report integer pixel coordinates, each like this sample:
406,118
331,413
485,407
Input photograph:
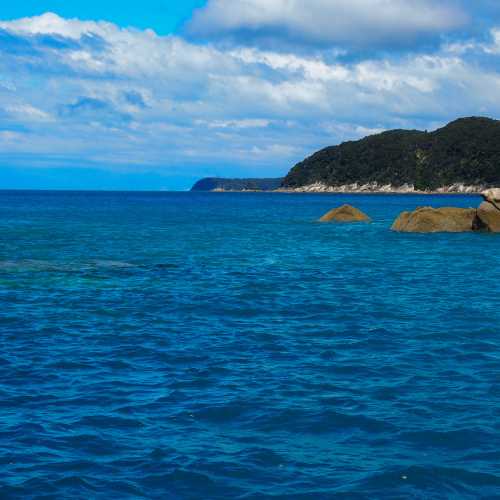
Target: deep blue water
213,346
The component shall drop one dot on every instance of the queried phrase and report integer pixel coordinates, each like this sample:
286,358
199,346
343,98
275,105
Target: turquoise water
227,346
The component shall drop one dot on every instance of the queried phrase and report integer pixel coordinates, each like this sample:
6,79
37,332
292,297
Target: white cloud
28,113
236,124
142,99
51,23
350,22
494,46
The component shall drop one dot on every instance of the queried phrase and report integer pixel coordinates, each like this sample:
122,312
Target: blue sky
156,94
163,16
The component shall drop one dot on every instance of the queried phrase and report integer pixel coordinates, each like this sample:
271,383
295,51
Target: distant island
462,157
219,184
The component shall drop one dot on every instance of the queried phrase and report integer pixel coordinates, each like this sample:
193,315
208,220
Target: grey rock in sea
436,220
345,213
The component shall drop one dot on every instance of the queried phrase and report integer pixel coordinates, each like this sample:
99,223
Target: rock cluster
345,213
486,218
453,220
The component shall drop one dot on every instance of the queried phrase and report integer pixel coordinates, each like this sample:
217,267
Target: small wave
75,483
68,365
456,440
325,422
263,457
433,481
227,413
165,266
182,482
108,422
113,264
30,265
36,265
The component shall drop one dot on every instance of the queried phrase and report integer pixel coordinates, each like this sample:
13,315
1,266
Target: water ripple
222,346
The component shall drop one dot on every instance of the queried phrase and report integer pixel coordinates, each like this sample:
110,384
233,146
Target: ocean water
206,346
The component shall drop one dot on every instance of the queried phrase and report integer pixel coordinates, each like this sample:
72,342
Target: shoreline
375,193
370,188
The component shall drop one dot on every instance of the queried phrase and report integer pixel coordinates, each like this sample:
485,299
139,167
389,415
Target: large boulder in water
488,213
436,220
345,213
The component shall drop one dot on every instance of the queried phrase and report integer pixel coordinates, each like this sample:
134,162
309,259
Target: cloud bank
92,94
327,22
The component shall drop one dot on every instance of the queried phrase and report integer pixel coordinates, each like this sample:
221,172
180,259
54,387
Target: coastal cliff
464,156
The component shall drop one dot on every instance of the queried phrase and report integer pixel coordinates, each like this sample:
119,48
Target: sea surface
227,346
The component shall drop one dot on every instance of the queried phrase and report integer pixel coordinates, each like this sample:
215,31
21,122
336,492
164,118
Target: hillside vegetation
466,151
